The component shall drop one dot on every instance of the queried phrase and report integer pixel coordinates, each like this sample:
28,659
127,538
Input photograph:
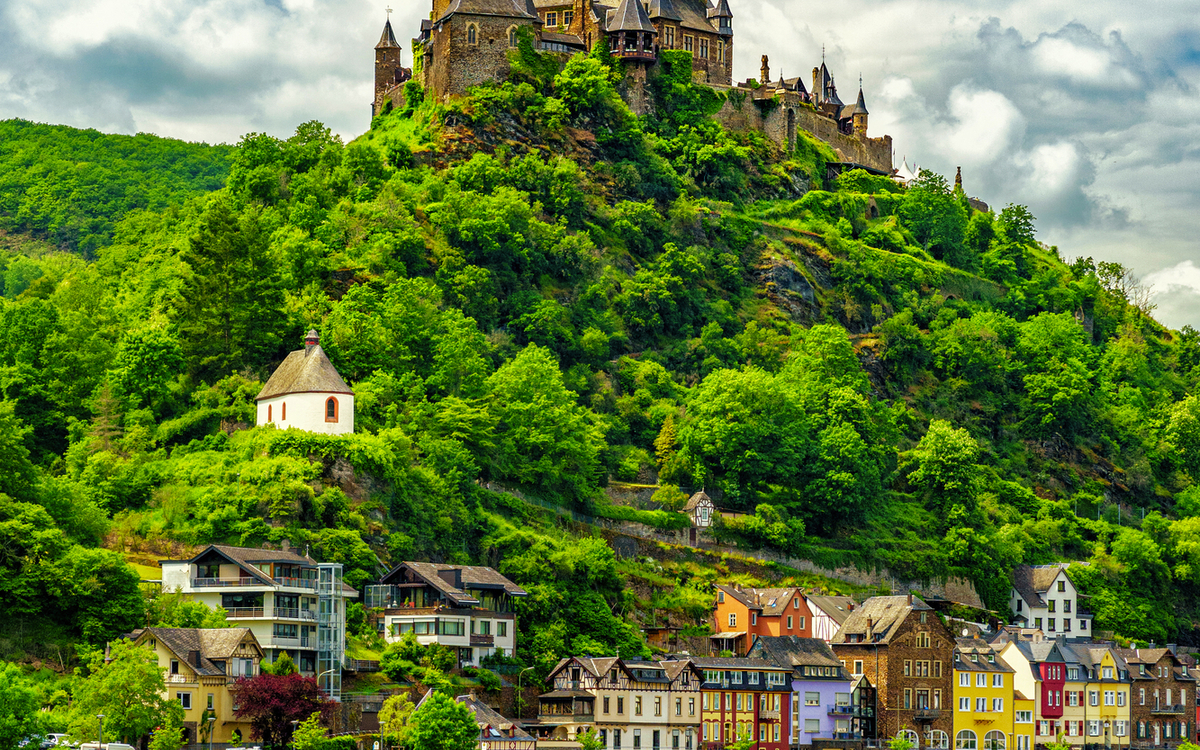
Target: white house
700,509
307,393
1044,598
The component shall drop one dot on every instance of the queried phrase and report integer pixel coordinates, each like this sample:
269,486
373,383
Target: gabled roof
666,9
473,577
306,370
387,39
1031,581
794,651
629,15
701,497
250,558
209,643
735,663
882,614
501,8
836,608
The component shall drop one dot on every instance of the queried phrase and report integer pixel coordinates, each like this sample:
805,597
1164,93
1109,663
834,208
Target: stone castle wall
781,121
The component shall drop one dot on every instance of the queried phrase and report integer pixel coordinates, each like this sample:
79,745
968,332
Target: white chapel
307,393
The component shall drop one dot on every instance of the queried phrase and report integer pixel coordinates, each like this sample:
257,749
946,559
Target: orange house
741,614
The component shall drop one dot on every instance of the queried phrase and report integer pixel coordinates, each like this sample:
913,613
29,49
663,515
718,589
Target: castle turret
631,35
764,73
860,113
387,60
723,16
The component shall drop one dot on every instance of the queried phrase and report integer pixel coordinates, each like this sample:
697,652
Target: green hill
533,287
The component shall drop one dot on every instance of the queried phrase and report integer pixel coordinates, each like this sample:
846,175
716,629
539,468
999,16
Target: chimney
194,658
311,339
870,628
1172,647
910,598
285,545
851,606
452,576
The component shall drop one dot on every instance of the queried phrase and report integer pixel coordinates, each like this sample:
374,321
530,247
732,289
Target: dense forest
531,287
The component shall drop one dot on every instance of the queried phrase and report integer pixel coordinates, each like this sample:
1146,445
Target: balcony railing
296,583
179,678
580,718
482,640
204,583
290,613
927,714
1176,708
298,642
233,612
847,735
769,713
843,710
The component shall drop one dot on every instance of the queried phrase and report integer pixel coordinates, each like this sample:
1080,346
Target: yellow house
984,706
201,665
1023,712
1104,700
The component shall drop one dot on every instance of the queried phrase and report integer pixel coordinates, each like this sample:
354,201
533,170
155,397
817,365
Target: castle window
568,17
472,34
512,36
687,43
331,409
552,18
669,37
720,51
704,48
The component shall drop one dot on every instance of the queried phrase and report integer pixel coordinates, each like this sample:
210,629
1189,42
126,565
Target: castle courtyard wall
455,66
740,112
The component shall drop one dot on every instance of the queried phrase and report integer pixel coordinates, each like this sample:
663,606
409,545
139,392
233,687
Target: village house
307,393
744,698
822,700
741,614
201,665
828,614
496,732
1039,673
984,703
907,654
467,608
291,603
1163,694
1043,597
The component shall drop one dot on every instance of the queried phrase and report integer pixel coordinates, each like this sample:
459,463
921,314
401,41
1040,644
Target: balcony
298,642
297,583
847,735
844,710
769,713
635,54
566,718
207,583
289,613
926,714
482,640
243,612
180,679
1176,708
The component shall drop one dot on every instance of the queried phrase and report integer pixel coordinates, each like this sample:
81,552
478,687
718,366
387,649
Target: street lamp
520,695
211,719
294,723
100,744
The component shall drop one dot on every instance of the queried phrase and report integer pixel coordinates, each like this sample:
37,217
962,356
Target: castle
465,43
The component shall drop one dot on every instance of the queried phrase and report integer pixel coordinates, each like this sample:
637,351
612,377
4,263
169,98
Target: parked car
61,740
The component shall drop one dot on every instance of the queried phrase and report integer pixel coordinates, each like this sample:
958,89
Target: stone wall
781,119
454,65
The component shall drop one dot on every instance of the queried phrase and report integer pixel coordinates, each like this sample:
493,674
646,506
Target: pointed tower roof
629,16
664,9
720,9
860,107
387,39
831,93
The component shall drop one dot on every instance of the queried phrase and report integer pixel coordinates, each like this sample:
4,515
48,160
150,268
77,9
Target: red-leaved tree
272,702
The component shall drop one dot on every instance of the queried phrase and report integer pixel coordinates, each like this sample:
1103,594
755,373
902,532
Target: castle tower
860,113
387,60
631,35
764,73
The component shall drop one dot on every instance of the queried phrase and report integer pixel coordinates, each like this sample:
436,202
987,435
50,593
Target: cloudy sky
1088,112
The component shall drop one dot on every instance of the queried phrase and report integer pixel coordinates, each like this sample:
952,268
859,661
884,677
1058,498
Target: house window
964,679
789,627
733,619
812,699
704,48
908,698
512,36
981,705
1110,698
472,34
720,51
269,417
980,680
502,629
1051,624
687,42
965,740
637,705
679,706
997,705
185,700
812,726
753,618
1120,697
1050,605
568,17
937,669
1067,624
620,705
802,622
938,740
175,670
858,666
937,701
1083,624
1066,606
964,704
331,409
1037,623
606,704
922,639
691,706
552,19
720,597
210,701
1062,585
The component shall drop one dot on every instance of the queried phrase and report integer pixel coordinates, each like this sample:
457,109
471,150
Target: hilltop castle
466,43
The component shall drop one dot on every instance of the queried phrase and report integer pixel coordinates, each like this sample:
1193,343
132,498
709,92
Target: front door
922,699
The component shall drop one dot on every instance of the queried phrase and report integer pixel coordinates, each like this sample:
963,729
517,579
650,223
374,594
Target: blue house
823,707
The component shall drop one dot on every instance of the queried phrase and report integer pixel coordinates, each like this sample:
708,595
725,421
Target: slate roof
210,643
501,8
836,607
885,613
794,651
306,370
249,558
491,724
734,663
571,40
768,602
1033,581
860,107
387,39
629,15
666,9
473,576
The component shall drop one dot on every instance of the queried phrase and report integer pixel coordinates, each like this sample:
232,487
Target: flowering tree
272,702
